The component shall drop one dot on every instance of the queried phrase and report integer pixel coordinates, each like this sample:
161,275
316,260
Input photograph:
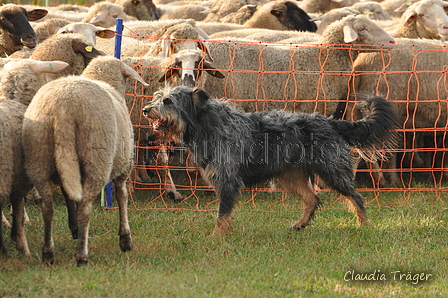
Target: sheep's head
188,66
362,32
14,21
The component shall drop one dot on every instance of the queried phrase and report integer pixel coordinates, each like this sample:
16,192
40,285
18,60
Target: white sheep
15,29
104,14
322,6
331,16
78,127
140,9
19,82
424,19
222,8
240,16
372,9
196,12
72,48
297,77
412,75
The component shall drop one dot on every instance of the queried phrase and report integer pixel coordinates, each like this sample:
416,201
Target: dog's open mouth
161,125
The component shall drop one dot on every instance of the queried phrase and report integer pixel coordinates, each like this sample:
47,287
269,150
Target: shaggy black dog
236,149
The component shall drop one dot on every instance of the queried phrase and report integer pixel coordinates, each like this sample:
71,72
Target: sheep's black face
15,23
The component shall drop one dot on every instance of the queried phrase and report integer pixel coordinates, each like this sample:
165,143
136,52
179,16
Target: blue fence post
117,54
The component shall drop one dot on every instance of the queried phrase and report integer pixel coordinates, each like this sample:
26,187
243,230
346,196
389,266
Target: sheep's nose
146,111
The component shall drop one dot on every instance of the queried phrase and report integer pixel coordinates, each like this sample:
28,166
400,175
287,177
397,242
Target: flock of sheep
71,113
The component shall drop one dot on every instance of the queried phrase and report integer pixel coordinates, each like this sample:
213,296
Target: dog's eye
167,101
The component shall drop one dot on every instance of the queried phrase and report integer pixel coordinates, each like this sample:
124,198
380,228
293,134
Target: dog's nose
146,111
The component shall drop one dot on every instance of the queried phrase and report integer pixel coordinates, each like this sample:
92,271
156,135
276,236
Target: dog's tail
376,129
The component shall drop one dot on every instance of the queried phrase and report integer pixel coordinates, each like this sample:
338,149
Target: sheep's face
187,68
429,14
361,31
14,22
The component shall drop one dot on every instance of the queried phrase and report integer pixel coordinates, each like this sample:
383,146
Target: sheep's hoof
75,234
82,261
175,196
125,243
48,258
299,226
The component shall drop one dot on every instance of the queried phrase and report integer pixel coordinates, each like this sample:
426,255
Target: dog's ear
200,97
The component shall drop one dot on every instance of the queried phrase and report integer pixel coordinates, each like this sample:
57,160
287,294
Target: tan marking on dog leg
298,183
223,225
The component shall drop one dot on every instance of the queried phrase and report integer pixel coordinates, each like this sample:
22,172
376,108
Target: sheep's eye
420,15
115,16
167,101
362,29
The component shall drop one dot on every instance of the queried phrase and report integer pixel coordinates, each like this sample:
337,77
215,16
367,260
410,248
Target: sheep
78,127
15,29
72,48
417,66
182,68
424,19
395,8
372,9
90,32
177,37
241,15
19,82
191,11
49,27
104,14
323,6
287,16
303,74
333,15
140,9
222,8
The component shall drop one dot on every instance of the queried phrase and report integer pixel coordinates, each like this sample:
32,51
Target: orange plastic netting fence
414,81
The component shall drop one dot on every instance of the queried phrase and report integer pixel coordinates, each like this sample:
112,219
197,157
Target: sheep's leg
124,230
72,214
2,245
142,173
170,188
18,212
46,192
84,210
5,222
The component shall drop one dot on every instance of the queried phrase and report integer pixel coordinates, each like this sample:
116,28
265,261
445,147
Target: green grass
174,256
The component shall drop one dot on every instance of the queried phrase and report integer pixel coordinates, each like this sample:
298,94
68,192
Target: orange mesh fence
418,164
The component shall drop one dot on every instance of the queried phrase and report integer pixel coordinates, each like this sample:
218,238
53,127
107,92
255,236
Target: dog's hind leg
346,188
298,182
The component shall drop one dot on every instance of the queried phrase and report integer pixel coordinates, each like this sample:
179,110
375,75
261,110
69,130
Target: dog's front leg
227,202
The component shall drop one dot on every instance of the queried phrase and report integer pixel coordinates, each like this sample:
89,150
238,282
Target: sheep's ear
277,12
204,47
129,72
350,34
47,66
404,6
99,18
170,71
36,14
200,97
410,16
167,48
86,50
212,71
104,33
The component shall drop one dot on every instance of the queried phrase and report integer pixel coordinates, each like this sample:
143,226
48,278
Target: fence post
117,54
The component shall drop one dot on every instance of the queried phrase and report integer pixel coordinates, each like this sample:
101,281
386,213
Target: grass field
174,256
